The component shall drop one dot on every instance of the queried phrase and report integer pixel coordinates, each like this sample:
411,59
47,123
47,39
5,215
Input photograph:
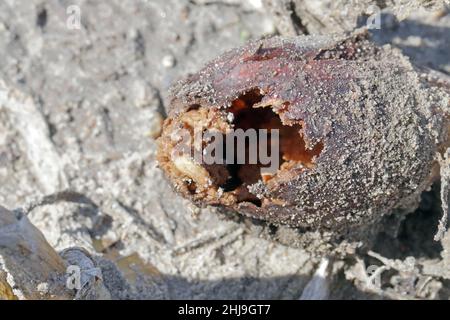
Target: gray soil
80,109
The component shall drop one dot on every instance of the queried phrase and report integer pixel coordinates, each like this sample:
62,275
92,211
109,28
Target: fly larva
359,132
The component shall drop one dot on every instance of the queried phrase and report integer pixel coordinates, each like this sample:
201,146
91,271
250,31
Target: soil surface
80,109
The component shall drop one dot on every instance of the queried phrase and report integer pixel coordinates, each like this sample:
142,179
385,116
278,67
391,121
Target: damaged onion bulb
330,133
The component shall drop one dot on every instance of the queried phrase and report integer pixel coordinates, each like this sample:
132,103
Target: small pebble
168,61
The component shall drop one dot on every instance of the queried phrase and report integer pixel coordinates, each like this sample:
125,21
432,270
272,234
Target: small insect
361,132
